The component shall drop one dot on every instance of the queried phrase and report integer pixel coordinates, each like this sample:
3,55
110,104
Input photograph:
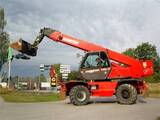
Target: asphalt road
103,109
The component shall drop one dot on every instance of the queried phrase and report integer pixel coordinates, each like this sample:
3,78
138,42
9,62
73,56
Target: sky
114,24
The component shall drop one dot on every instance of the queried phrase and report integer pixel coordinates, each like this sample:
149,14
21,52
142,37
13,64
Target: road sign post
65,70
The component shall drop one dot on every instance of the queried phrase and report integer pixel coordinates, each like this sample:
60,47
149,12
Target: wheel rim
125,94
81,96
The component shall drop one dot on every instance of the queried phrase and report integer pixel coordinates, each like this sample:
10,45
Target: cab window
91,61
95,60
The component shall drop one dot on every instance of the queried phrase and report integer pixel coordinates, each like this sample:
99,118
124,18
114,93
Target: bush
154,78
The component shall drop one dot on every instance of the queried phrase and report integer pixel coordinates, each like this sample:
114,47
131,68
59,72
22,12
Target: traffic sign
44,67
65,69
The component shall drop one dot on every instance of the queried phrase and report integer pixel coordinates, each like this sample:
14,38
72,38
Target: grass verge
25,97
154,90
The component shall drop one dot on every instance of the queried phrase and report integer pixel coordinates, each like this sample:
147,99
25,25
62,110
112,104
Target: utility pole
9,72
18,82
30,84
41,70
39,81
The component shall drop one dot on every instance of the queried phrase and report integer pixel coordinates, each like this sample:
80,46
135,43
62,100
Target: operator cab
95,66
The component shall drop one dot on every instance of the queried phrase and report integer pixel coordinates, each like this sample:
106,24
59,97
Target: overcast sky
115,24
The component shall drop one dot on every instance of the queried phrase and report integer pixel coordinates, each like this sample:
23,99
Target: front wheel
126,94
79,95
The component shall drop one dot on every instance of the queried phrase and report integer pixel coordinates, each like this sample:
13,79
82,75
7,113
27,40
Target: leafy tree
154,78
29,78
42,78
130,52
15,78
157,64
57,69
146,51
36,78
4,39
73,75
2,19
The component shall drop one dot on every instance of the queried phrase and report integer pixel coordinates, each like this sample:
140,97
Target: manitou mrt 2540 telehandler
103,72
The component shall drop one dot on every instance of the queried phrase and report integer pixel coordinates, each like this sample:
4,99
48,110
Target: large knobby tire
79,95
126,94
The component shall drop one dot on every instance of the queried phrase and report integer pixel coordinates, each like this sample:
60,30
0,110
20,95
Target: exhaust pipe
24,47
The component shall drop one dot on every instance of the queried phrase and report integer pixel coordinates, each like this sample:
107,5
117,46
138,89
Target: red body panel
104,88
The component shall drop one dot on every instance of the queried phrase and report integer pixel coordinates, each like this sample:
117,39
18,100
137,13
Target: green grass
153,94
154,90
23,97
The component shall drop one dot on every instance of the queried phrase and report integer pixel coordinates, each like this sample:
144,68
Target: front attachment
24,47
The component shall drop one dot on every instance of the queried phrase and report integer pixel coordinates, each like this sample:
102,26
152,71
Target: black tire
79,95
126,94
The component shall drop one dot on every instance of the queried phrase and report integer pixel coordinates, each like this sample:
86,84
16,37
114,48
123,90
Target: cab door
90,70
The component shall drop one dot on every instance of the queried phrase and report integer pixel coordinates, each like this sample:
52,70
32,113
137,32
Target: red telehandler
103,72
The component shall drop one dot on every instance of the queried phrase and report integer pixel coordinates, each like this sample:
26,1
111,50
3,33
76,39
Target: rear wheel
126,94
79,95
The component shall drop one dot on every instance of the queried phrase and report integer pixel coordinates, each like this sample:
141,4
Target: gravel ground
98,109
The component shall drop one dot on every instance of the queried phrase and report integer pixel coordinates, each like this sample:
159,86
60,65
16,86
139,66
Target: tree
39,78
157,64
73,75
42,78
57,69
130,52
146,51
4,39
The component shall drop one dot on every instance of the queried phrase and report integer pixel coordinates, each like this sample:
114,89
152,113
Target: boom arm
82,44
59,37
131,63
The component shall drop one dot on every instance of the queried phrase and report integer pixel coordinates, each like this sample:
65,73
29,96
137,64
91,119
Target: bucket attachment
24,47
